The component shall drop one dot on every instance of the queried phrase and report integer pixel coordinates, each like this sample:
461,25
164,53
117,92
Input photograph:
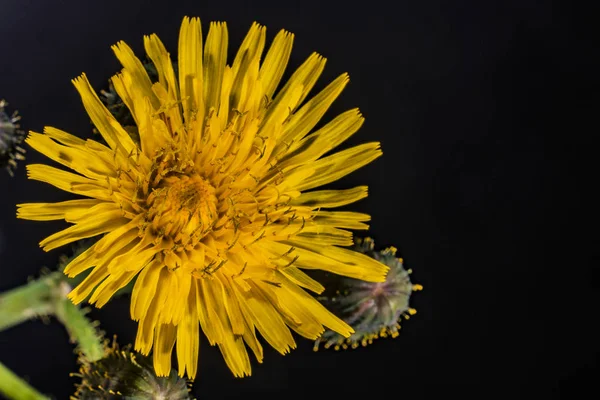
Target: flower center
183,208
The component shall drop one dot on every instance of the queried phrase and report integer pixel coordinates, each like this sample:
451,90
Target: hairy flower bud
372,309
11,136
123,374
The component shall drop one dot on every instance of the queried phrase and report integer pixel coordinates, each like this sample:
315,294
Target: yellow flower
209,212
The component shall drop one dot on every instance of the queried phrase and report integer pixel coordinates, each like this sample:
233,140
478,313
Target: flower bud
124,374
372,309
11,137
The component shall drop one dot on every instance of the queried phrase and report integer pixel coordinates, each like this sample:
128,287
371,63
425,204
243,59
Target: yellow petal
139,77
310,114
301,320
338,165
245,67
122,83
188,337
235,354
82,262
318,311
147,325
276,60
108,241
82,290
215,59
71,157
165,335
341,219
268,321
175,307
305,78
52,211
209,320
64,137
320,142
326,235
105,222
144,289
77,216
300,278
68,181
330,198
113,283
231,305
356,265
250,48
190,68
109,128
164,66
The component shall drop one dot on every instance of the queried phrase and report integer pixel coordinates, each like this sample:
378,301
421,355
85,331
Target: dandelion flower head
213,212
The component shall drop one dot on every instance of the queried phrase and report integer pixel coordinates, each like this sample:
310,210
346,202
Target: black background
480,108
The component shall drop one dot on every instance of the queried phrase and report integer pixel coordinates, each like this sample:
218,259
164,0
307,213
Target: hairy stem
27,301
47,296
81,330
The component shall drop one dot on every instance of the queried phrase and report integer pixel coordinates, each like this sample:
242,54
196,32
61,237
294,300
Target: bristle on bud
124,374
373,309
11,137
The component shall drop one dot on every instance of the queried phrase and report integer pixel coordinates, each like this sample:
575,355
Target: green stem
15,388
28,301
40,297
47,296
81,330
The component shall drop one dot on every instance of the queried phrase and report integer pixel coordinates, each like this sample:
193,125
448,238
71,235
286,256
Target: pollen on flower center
183,208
